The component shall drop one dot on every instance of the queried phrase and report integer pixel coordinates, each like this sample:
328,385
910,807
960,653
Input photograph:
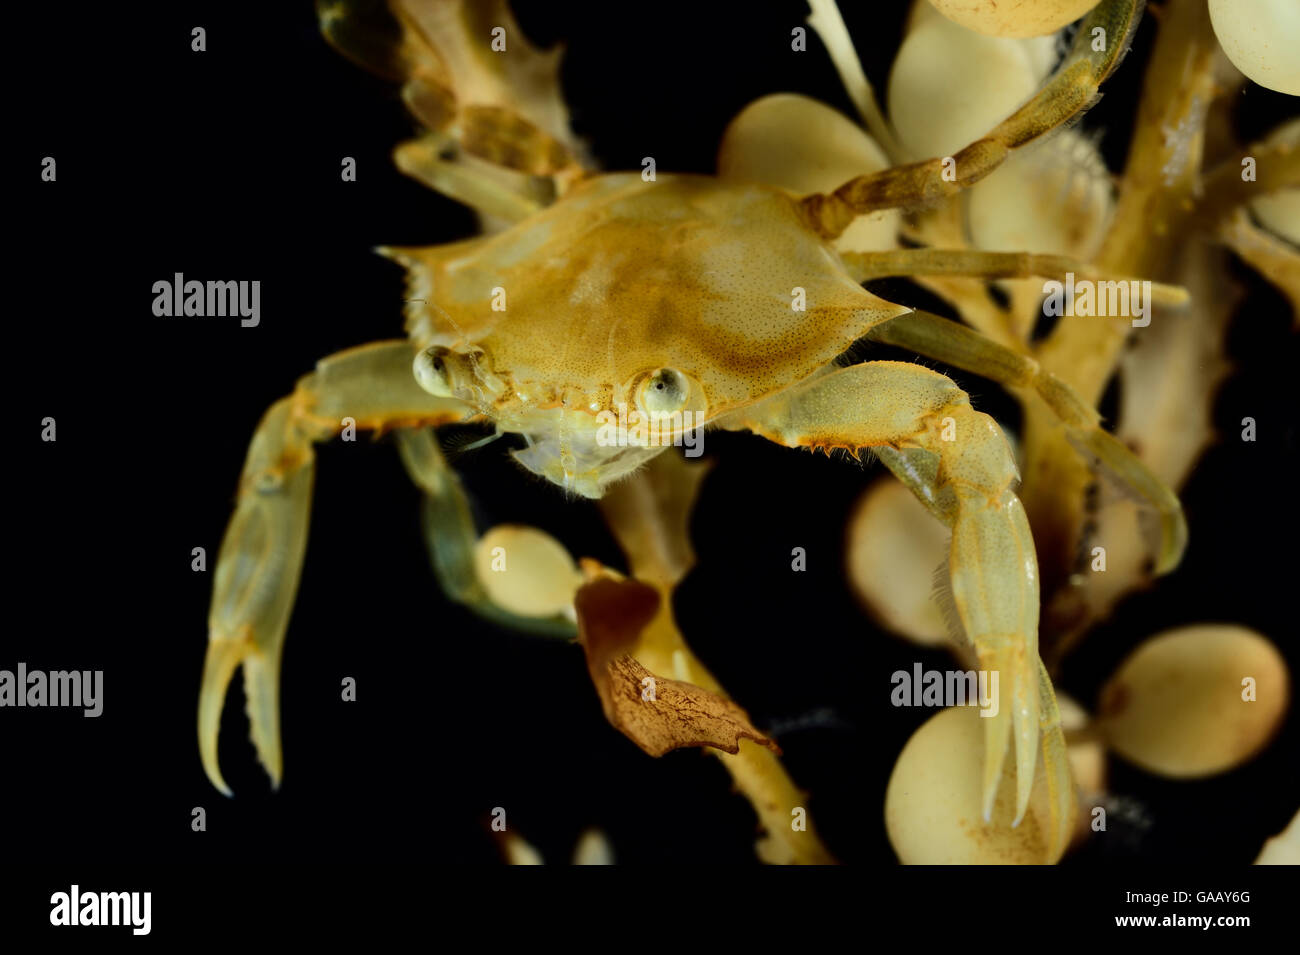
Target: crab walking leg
1092,58
956,345
958,462
451,536
452,549
971,263
261,554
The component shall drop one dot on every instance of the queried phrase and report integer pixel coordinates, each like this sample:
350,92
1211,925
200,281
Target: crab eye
665,391
433,371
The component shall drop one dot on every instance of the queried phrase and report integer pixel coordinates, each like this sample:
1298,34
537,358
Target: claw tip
214,776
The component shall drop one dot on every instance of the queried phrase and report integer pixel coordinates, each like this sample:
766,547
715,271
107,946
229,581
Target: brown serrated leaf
611,614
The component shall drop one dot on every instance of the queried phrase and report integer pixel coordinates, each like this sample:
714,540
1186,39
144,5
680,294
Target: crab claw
255,582
261,687
995,587
1015,667
1028,714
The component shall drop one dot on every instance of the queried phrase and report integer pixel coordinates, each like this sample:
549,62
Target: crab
690,300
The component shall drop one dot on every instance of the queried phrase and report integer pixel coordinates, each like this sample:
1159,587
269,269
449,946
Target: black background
225,165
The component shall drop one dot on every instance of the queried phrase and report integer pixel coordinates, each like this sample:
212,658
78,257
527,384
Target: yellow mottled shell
623,276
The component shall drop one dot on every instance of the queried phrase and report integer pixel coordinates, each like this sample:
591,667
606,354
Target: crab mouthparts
579,461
